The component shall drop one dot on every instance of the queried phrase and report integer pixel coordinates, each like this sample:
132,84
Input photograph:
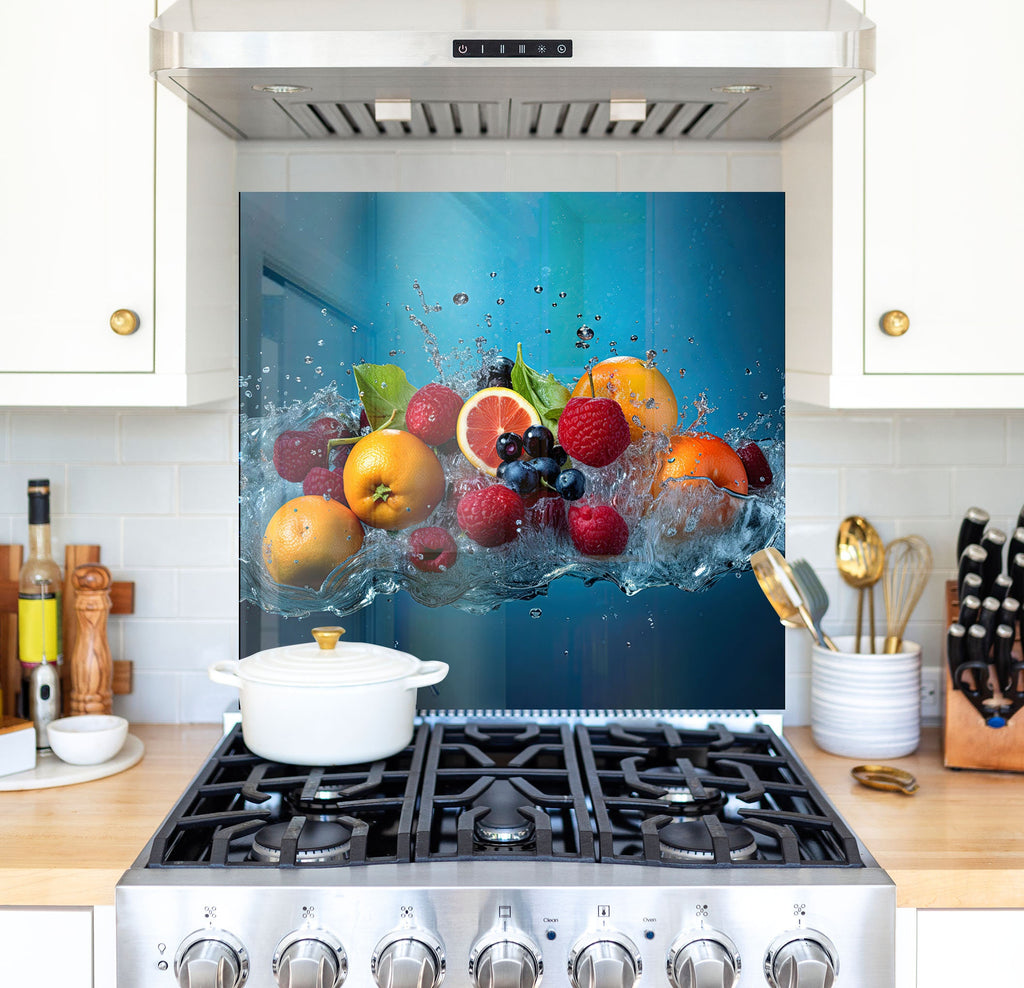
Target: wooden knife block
967,741
122,597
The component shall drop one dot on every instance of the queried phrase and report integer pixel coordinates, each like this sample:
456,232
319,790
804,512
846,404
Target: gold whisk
908,564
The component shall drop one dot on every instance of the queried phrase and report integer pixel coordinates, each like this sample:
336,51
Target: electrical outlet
931,694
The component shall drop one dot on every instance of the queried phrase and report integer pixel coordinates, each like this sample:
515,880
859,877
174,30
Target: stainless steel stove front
488,924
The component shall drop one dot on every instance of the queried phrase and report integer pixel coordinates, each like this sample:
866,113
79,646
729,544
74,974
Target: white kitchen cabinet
46,946
905,197
99,215
969,947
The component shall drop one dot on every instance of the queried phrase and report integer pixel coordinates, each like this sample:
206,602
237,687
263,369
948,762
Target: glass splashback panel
637,595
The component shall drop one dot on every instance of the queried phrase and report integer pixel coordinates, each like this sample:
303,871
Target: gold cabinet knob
124,322
327,637
895,323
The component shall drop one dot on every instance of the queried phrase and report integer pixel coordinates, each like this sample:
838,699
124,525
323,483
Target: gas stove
497,852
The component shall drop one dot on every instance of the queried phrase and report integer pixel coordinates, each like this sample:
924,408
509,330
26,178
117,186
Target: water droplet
748,371
579,315
319,342
501,301
597,318
634,338
582,345
763,396
318,370
682,372
651,354
323,312
538,289
248,394
535,612
561,294
307,359
554,305
460,298
266,370
689,339
547,332
354,329
494,274
585,332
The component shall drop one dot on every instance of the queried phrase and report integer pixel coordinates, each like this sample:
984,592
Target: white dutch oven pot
325,702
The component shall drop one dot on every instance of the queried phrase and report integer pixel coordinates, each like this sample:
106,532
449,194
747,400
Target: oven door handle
223,672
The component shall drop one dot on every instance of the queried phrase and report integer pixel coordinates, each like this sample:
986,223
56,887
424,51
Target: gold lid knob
328,637
895,323
124,322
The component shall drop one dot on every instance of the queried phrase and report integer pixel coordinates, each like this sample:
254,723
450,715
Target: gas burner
502,824
318,843
681,801
326,803
691,841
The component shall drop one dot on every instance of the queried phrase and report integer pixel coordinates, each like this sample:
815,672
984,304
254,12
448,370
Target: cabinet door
42,946
944,213
76,186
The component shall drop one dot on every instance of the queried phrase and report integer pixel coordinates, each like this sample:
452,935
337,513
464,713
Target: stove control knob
707,960
505,961
408,959
606,960
801,959
310,959
211,959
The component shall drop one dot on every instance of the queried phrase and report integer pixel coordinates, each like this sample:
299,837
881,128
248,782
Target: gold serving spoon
860,559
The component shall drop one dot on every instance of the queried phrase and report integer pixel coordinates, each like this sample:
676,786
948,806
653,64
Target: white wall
158,489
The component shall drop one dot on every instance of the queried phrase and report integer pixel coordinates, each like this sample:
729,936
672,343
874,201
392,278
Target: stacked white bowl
866,705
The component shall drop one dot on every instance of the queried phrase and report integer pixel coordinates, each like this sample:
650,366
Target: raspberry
593,431
432,549
597,531
322,481
296,453
432,414
759,474
327,427
491,516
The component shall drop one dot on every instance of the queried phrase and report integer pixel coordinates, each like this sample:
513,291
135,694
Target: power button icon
463,49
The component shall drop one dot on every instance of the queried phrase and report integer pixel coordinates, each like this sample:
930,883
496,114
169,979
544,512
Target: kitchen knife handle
972,560
1004,644
955,653
993,542
971,528
988,618
970,608
1009,612
977,662
1017,576
1001,586
1016,545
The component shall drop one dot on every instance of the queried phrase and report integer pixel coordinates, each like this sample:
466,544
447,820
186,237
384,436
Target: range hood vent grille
574,119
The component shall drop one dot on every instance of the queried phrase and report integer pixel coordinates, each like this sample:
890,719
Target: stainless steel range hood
496,69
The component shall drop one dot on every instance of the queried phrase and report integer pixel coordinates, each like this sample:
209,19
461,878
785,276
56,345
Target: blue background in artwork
697,275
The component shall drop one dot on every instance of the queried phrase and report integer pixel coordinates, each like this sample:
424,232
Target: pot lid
328,662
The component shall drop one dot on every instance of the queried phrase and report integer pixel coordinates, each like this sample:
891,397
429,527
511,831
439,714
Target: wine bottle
39,593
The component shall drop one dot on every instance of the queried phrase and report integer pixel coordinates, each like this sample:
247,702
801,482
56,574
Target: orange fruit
642,392
486,416
692,460
392,479
307,537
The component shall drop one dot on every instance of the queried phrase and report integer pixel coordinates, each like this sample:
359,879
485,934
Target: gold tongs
885,777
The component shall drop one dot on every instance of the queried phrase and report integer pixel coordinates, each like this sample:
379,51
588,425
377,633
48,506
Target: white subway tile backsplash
812,492
178,645
1015,440
122,490
14,478
211,593
816,440
896,493
156,592
175,437
154,699
481,172
652,172
180,542
101,530
76,437
755,172
999,490
203,701
209,490
590,171
954,439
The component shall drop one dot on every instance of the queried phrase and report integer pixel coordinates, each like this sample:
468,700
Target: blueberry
520,477
499,374
559,455
570,484
537,440
547,468
498,381
509,446
502,467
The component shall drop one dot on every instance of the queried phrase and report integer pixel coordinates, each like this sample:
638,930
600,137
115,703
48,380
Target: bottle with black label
39,604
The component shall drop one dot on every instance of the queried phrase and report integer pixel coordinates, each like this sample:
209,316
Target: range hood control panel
514,48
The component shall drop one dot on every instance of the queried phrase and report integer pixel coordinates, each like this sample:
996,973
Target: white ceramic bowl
88,739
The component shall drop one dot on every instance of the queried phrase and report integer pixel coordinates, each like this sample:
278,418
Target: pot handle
429,673
224,672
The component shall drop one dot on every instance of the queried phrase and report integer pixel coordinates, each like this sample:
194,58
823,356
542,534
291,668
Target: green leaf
542,391
384,391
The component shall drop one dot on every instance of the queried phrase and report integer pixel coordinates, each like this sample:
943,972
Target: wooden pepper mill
92,670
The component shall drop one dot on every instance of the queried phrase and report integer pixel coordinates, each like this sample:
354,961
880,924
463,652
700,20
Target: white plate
50,771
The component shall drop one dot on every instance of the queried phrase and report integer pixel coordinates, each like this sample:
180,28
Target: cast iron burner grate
617,793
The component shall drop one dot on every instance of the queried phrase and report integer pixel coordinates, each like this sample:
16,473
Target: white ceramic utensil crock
325,702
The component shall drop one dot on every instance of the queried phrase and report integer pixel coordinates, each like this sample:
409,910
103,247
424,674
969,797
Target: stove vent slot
354,119
588,119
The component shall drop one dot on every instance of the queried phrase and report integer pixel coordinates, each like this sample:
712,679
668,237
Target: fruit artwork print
534,435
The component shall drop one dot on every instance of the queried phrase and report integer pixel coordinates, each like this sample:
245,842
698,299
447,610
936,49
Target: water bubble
501,301
494,274
748,371
554,305
266,370
323,312
582,345
547,332
355,329
579,315
689,339
634,338
535,612
460,298
682,372
319,342
318,370
585,332
248,394
538,289
651,355
298,380
763,396
597,318
307,359
561,294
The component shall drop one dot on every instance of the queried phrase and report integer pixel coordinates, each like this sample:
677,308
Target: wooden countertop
958,843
